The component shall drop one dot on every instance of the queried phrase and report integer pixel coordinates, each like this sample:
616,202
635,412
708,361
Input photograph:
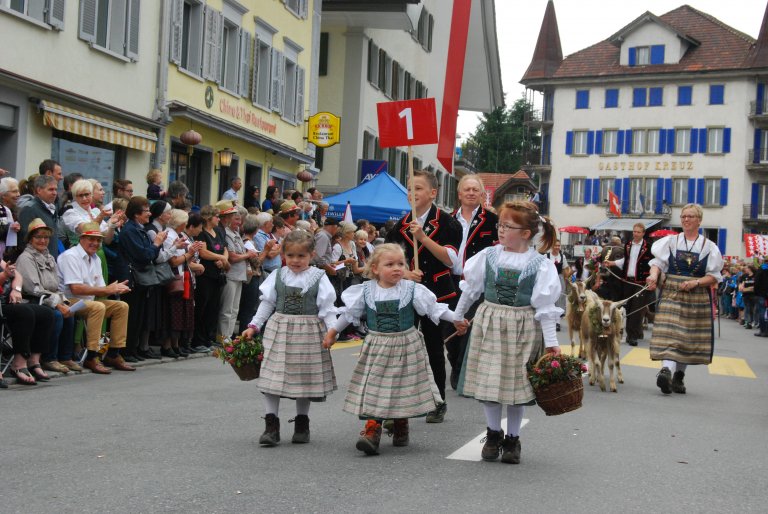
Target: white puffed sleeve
456,266
354,307
660,251
326,298
336,252
426,304
546,291
268,300
714,261
473,284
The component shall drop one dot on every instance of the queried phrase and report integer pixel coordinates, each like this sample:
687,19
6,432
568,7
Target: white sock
681,367
672,365
514,419
302,406
271,404
492,415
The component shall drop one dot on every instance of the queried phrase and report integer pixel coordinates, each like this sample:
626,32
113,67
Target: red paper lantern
304,176
191,139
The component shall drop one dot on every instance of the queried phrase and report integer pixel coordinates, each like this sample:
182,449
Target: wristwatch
17,288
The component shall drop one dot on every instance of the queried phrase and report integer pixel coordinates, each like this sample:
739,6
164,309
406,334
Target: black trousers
30,326
634,309
249,303
140,315
207,303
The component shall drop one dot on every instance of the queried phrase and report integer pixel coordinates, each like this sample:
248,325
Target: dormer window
645,55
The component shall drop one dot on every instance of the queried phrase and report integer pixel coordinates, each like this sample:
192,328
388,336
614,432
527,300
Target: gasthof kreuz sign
324,129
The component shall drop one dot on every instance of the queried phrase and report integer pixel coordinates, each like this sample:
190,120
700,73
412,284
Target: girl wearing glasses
521,287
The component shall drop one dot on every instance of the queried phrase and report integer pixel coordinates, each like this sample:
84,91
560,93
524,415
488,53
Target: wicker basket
248,371
561,397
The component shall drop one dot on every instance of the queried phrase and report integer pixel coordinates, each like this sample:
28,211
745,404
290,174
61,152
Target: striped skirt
295,364
683,330
502,342
392,378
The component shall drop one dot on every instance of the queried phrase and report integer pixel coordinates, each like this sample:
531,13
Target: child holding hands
521,287
392,379
298,300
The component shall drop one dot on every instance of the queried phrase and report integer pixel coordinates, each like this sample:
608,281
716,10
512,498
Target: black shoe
510,450
761,334
492,446
557,327
3,384
677,382
201,349
169,353
437,415
183,352
131,359
632,342
301,429
455,372
147,354
664,380
271,435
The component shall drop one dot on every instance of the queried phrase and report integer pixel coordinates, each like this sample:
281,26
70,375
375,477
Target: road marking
347,344
471,450
726,366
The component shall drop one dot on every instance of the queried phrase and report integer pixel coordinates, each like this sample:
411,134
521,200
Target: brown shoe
96,367
118,363
54,366
400,433
370,438
72,365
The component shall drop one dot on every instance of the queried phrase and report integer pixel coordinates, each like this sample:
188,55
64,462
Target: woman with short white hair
82,211
9,193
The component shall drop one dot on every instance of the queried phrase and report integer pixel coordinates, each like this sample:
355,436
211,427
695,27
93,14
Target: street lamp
225,158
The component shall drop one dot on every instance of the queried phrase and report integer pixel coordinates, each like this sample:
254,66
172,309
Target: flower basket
556,380
244,355
249,371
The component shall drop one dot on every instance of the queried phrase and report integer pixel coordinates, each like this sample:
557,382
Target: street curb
13,383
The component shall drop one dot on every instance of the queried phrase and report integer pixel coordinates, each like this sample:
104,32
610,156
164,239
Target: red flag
755,245
614,204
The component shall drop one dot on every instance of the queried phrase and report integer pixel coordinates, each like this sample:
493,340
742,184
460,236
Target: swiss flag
614,204
755,244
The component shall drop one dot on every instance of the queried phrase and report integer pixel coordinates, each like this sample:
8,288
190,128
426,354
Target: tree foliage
502,143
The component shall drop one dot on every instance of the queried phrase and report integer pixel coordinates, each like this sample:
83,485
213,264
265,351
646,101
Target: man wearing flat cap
80,277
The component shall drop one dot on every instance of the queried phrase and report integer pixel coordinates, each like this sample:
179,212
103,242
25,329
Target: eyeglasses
84,195
145,210
41,237
688,217
504,226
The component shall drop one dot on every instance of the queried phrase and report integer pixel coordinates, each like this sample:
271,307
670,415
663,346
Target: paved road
183,437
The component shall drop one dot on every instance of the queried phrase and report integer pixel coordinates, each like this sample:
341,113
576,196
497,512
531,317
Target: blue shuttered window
599,142
756,152
702,140
625,195
700,191
659,195
684,95
670,140
716,94
723,192
633,56
639,97
755,198
567,191
726,140
582,99
628,142
569,143
657,54
617,188
596,191
760,98
611,98
668,190
655,96
691,190
722,236
588,191
694,140
590,142
620,142
662,141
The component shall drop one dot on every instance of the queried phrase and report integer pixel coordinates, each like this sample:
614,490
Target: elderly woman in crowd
139,251
82,211
9,193
41,286
237,274
270,251
181,308
215,259
30,326
363,252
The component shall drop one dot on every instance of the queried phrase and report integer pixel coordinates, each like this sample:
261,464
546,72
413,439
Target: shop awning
87,125
625,224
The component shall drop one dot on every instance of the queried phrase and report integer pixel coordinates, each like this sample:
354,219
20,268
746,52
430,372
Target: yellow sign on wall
324,129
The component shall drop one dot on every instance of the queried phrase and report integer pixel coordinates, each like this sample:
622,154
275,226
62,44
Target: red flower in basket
559,389
244,355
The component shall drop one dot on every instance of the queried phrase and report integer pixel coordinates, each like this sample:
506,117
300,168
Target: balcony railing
538,118
758,108
657,209
757,159
755,213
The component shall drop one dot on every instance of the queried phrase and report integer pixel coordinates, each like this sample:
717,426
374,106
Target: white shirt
338,251
76,216
465,225
424,302
326,294
75,266
560,257
704,247
456,265
634,253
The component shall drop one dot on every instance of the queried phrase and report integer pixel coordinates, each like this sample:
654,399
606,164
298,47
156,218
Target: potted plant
556,380
244,355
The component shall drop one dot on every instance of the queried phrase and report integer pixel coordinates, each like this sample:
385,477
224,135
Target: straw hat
226,207
288,206
37,224
91,229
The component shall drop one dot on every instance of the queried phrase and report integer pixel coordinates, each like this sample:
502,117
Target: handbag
164,273
176,286
146,277
187,294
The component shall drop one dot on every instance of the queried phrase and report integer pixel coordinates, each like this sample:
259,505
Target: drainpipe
161,109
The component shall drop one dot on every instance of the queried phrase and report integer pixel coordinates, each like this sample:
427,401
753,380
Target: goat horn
621,303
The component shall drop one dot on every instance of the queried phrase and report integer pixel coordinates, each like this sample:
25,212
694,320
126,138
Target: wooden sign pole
413,207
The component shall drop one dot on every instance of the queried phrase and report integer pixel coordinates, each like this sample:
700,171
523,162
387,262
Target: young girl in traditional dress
298,301
392,379
521,287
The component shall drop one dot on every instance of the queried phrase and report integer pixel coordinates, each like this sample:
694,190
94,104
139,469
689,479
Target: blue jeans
62,339
749,308
760,313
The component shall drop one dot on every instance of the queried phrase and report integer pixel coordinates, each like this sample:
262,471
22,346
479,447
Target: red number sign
407,123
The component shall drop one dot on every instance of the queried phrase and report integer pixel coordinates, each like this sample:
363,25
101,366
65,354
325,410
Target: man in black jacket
43,206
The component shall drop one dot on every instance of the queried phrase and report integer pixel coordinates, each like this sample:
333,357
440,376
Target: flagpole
413,207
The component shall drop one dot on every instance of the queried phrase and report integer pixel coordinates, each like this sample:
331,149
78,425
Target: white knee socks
514,419
271,404
674,366
492,415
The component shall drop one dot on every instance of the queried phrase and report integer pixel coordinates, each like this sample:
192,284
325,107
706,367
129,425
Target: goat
600,328
576,297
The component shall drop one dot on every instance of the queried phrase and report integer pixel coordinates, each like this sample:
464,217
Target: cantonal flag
614,204
756,244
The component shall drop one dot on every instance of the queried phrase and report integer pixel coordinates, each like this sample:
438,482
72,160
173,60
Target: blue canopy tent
380,199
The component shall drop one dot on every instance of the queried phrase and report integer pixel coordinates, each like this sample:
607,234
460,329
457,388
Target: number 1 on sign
408,115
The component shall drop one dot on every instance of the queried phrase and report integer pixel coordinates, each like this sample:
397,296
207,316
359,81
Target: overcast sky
583,23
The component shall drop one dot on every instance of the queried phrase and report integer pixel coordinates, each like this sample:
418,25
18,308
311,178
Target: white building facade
664,113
